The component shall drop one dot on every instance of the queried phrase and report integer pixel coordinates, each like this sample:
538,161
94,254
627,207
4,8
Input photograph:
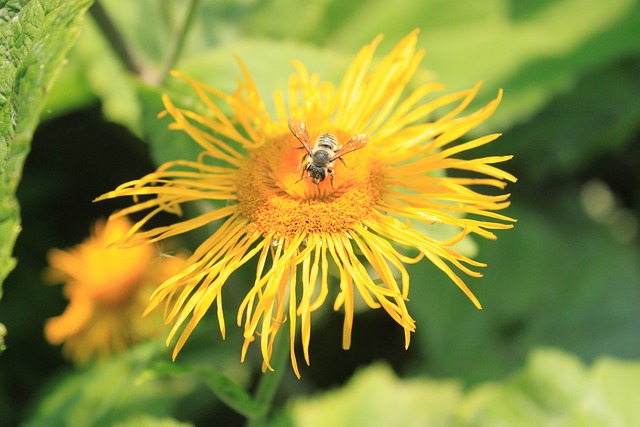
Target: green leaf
554,388
165,144
93,72
556,279
228,391
375,396
597,118
526,48
107,392
147,421
617,382
36,35
3,333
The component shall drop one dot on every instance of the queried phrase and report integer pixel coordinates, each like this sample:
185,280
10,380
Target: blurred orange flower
108,288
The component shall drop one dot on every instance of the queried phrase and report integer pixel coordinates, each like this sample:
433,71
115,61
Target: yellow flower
380,205
108,289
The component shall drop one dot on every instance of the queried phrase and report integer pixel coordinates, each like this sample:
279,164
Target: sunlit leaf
553,388
147,421
377,397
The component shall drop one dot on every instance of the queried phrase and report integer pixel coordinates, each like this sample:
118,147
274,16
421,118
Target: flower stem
124,51
269,381
177,40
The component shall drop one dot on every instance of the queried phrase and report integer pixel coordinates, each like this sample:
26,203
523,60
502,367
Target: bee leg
331,177
302,161
342,160
304,169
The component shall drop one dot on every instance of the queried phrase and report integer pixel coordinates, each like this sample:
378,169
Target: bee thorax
321,158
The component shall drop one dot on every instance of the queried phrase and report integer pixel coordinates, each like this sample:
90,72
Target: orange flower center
114,275
108,276
279,198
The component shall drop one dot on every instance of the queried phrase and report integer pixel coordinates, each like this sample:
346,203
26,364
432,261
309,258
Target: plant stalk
121,48
270,381
176,43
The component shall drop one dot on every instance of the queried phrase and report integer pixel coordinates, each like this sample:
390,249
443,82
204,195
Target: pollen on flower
277,198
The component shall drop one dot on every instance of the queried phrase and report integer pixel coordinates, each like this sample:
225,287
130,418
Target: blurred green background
567,276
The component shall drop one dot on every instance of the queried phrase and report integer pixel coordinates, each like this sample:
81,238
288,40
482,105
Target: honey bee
325,151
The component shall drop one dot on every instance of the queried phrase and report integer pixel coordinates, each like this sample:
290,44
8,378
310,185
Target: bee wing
355,143
299,130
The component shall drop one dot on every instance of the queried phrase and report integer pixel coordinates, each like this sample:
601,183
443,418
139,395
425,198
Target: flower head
108,288
366,223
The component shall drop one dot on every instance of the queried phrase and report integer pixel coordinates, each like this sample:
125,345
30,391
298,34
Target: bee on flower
325,151
299,225
108,288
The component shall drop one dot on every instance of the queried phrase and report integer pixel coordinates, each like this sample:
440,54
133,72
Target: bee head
317,174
